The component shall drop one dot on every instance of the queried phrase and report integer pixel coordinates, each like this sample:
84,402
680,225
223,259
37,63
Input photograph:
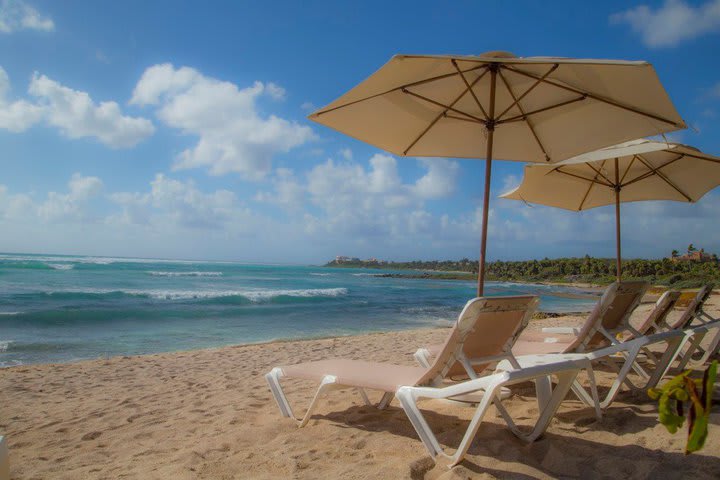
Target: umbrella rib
446,107
627,170
540,110
587,193
464,119
598,172
527,121
530,89
714,160
664,178
651,173
394,89
444,112
594,97
469,87
591,180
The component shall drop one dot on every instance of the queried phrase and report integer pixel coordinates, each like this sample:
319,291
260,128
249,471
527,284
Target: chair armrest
567,330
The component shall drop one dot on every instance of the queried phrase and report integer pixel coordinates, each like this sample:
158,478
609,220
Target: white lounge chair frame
629,350
465,325
695,334
491,385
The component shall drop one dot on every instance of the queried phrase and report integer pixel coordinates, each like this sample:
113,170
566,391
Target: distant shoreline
579,272
471,277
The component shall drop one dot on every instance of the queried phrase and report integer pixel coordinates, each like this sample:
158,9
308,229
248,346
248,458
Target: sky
178,129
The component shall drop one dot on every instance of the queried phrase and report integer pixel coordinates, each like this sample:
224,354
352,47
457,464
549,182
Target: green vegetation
678,274
682,390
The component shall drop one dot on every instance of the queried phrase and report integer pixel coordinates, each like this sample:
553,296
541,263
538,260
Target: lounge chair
627,352
497,319
491,385
657,317
695,334
597,340
693,311
613,309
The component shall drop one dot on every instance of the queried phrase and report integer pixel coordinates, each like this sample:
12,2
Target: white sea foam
4,344
365,274
11,363
185,274
10,313
61,266
321,274
252,295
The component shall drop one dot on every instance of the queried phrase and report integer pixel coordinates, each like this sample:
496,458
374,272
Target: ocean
56,308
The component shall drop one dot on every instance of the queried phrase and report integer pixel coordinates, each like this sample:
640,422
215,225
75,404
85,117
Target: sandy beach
209,414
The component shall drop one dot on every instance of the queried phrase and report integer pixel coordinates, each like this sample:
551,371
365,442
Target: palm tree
674,254
691,248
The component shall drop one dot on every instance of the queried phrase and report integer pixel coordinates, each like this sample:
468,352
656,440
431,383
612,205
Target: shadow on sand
588,448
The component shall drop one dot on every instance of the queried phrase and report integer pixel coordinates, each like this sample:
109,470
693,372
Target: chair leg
709,351
273,379
385,400
364,396
693,344
565,381
408,402
328,382
543,389
592,399
488,398
422,356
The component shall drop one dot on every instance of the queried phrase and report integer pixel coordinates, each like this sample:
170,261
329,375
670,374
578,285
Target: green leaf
700,411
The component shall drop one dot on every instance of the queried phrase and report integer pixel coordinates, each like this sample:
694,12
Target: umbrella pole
486,206
618,270
490,126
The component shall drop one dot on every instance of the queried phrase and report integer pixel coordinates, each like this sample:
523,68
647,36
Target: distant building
696,256
343,259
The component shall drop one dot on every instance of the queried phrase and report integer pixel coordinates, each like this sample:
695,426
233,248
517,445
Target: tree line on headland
665,271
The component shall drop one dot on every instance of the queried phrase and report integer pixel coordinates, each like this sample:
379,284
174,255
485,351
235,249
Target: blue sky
178,129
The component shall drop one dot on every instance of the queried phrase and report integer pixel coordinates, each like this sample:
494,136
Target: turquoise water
65,308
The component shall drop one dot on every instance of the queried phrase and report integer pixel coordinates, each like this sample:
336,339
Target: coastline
209,414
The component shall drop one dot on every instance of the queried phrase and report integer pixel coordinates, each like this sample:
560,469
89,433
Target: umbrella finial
498,54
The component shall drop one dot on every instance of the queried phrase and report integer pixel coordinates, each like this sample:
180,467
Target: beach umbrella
499,106
630,172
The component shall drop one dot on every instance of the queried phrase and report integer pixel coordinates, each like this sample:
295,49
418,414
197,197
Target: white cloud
362,202
73,112
346,153
71,205
308,106
510,182
439,181
16,116
76,115
172,217
672,23
181,203
233,135
275,91
15,206
17,15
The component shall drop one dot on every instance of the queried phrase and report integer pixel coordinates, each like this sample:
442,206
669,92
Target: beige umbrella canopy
496,105
630,172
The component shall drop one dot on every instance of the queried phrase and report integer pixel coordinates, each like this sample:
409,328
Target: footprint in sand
91,436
